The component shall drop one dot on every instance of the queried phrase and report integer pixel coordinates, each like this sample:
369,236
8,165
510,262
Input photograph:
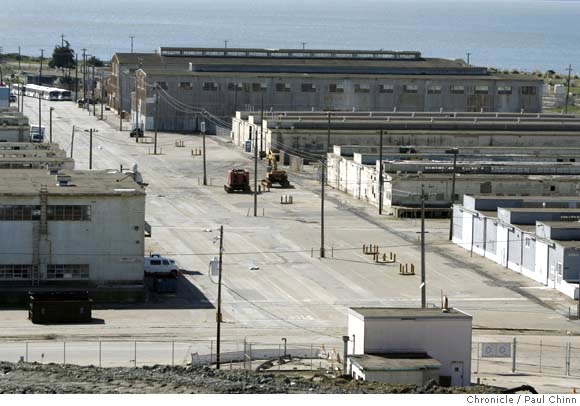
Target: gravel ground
53,378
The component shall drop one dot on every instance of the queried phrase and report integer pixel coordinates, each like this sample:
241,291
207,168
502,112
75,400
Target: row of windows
16,271
53,213
53,271
358,88
67,271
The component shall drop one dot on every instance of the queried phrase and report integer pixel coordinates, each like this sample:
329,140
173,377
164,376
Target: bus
45,92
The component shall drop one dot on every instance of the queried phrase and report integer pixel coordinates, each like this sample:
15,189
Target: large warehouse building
223,81
71,229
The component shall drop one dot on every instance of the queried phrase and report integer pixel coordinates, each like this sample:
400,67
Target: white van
156,264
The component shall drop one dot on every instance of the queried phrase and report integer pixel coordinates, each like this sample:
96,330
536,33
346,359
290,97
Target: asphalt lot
275,284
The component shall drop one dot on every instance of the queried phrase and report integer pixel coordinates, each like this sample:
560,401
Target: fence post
173,353
210,352
27,351
100,353
244,355
311,356
279,357
540,356
64,353
514,356
135,353
250,352
568,353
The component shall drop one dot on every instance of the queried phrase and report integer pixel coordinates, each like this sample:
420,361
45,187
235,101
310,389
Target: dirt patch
53,378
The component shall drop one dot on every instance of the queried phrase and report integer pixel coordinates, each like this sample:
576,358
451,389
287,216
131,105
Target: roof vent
63,180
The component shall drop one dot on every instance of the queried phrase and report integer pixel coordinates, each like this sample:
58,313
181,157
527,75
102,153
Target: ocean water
508,34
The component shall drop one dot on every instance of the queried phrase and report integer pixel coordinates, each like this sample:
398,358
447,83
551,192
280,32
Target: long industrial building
314,133
537,236
223,81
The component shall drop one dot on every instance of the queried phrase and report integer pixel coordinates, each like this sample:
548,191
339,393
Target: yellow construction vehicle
275,175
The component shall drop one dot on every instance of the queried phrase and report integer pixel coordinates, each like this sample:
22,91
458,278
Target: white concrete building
538,237
440,336
14,126
28,155
74,228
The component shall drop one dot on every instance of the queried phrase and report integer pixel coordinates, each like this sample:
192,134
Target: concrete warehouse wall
111,243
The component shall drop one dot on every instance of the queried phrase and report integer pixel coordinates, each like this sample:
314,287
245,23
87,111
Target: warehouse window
386,88
162,85
68,213
457,89
529,90
308,87
234,87
504,90
258,87
17,271
19,213
209,86
67,271
185,85
358,88
481,89
283,87
410,88
334,88
434,90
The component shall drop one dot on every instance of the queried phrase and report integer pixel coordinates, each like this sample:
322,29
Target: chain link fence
107,353
527,356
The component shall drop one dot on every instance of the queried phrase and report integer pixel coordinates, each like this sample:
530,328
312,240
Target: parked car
12,98
136,132
158,265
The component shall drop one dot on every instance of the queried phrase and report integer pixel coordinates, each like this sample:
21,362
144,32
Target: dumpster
60,307
165,285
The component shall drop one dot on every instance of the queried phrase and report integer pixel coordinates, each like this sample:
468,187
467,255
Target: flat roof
339,75
394,362
573,224
18,182
540,209
483,176
567,243
407,313
524,198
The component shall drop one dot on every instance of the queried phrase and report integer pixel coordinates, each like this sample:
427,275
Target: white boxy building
71,228
537,236
410,345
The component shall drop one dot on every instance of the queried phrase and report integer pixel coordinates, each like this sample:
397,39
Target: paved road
291,293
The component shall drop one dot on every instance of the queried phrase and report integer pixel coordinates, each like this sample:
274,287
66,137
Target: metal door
457,373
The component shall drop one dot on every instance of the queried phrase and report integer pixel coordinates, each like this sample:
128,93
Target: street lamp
50,125
453,151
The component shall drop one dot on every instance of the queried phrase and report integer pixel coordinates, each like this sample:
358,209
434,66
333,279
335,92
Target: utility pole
132,37
91,148
120,88
39,96
156,109
468,55
423,270
84,74
225,43
62,40
322,184
50,115
93,92
454,151
19,57
72,142
381,173
304,45
76,77
203,146
568,88
136,110
219,301
256,160
261,125
102,94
